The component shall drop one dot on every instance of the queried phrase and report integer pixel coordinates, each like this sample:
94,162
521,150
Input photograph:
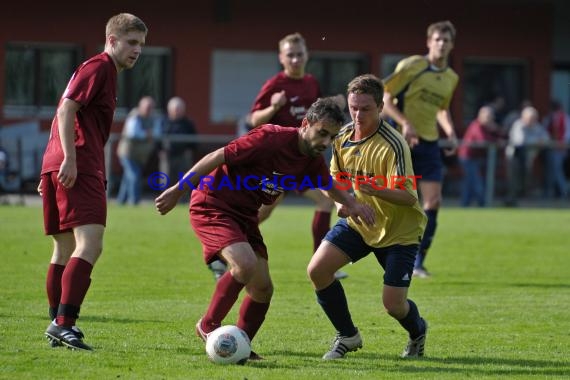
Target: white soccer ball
228,345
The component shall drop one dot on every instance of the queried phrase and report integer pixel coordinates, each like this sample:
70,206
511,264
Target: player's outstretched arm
359,212
397,196
169,198
444,119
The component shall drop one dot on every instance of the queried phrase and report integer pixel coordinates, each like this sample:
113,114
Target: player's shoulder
418,62
345,131
391,135
267,131
274,80
99,62
101,58
310,78
452,74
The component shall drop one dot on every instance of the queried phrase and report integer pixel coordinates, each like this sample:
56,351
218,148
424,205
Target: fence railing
207,142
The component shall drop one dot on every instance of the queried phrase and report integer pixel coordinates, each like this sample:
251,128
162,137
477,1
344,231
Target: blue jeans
473,185
130,189
555,176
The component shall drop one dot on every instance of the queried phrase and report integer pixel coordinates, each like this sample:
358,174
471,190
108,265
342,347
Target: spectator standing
140,133
483,129
557,124
179,154
525,139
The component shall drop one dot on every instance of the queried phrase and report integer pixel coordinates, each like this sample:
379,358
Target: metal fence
21,178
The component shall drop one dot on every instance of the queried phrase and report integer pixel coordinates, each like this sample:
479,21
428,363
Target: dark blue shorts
426,159
397,260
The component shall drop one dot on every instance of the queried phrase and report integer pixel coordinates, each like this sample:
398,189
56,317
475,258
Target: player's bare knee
262,294
89,253
243,270
319,275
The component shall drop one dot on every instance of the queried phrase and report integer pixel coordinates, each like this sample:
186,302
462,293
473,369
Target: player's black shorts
426,160
397,260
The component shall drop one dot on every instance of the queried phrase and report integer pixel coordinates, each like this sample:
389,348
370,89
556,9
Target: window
36,76
151,75
237,76
560,85
335,70
388,64
488,80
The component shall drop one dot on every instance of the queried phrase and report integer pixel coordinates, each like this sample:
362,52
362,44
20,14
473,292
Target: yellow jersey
385,157
421,90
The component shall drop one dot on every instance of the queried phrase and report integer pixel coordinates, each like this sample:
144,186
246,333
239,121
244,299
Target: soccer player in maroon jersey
72,182
284,100
224,207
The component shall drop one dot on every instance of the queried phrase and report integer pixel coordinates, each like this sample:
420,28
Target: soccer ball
228,345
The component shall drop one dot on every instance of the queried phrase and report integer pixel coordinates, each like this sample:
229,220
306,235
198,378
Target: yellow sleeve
405,72
334,165
399,172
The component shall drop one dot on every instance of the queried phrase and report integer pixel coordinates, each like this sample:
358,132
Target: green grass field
498,303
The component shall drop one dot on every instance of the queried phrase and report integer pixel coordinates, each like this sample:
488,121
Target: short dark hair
441,27
367,84
325,109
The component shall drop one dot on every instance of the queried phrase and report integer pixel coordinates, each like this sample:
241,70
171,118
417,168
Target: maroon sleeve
86,82
263,99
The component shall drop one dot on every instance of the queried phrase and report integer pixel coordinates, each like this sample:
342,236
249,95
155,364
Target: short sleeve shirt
94,86
421,91
301,94
259,167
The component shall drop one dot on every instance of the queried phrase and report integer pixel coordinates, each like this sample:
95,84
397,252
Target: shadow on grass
102,319
462,366
490,283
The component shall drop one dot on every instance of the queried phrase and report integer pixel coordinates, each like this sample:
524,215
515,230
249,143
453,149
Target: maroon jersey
260,166
94,86
301,93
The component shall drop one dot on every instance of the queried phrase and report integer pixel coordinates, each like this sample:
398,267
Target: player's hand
67,173
450,151
167,200
39,189
278,99
368,189
359,212
410,134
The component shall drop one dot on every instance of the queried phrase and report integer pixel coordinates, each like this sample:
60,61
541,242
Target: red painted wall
485,28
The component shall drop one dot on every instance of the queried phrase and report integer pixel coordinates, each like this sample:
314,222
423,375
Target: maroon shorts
217,227
85,203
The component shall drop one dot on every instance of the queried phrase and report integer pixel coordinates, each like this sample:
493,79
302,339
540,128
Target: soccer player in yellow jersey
372,157
417,97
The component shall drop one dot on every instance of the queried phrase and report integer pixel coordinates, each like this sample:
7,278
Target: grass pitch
497,303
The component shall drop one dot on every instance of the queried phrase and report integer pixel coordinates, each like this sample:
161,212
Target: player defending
224,209
417,97
72,182
364,149
284,100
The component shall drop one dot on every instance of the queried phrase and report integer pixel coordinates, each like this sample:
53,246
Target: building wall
507,29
